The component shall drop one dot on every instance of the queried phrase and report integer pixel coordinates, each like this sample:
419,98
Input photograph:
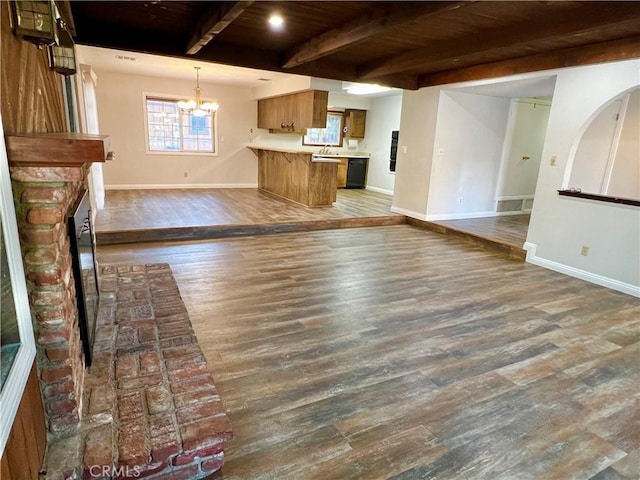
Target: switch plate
554,161
404,149
585,250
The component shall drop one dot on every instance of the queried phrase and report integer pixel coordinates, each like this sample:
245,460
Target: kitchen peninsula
297,175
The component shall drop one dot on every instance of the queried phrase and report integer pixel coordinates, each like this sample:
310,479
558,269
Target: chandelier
197,107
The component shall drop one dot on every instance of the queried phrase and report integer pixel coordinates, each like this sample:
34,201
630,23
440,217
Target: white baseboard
517,212
514,197
458,216
165,186
578,273
379,190
408,213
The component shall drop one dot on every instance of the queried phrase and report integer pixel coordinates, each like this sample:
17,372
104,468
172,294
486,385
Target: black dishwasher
356,172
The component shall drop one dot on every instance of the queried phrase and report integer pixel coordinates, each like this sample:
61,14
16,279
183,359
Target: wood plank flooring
511,229
129,209
399,353
132,216
159,215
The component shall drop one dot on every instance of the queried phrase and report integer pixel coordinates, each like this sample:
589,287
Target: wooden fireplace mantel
57,149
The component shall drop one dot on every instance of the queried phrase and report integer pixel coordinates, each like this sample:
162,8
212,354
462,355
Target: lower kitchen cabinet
342,173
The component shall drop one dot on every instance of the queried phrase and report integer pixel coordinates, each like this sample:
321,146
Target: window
330,135
17,345
170,129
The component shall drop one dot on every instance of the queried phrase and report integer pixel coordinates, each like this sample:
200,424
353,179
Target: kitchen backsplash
294,141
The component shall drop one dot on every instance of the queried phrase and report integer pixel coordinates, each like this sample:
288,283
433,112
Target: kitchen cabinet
342,173
297,176
355,123
294,112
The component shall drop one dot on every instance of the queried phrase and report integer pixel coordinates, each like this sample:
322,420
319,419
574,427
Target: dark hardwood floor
139,209
132,216
511,229
159,215
397,352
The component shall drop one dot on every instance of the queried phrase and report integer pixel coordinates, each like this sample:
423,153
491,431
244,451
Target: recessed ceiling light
276,21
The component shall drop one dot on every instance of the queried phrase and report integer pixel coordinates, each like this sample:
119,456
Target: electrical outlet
441,152
554,161
460,200
404,149
584,251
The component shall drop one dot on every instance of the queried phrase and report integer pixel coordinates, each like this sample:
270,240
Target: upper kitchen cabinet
355,121
294,112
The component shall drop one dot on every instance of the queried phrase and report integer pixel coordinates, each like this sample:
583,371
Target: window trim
148,151
342,123
11,394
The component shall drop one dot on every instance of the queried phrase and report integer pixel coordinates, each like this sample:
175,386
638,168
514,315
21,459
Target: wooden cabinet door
342,173
356,121
303,110
313,109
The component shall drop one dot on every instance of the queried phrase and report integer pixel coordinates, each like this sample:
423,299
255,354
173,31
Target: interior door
523,159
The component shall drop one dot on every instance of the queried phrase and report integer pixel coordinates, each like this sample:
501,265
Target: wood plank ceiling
402,44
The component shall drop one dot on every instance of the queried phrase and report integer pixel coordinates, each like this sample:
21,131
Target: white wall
560,225
121,115
415,151
468,147
625,174
382,118
592,154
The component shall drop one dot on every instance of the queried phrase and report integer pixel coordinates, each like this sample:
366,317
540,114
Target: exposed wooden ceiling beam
213,22
365,27
523,34
616,50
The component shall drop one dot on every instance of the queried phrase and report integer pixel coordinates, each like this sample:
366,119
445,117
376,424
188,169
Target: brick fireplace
49,173
151,409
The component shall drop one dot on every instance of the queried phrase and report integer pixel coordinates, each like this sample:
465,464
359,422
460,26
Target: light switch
404,149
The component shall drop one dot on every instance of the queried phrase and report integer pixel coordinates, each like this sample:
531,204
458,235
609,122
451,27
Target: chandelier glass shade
197,107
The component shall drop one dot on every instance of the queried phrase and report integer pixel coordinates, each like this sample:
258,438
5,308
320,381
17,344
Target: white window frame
11,394
335,113
215,120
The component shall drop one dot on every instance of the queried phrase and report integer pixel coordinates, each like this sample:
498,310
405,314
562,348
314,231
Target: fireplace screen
85,272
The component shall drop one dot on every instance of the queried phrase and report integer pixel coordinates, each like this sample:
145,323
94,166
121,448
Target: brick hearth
151,409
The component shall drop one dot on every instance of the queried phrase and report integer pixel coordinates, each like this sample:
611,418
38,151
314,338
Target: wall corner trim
409,213
578,273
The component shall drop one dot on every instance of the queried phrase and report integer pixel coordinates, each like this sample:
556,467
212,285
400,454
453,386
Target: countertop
327,157
279,149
